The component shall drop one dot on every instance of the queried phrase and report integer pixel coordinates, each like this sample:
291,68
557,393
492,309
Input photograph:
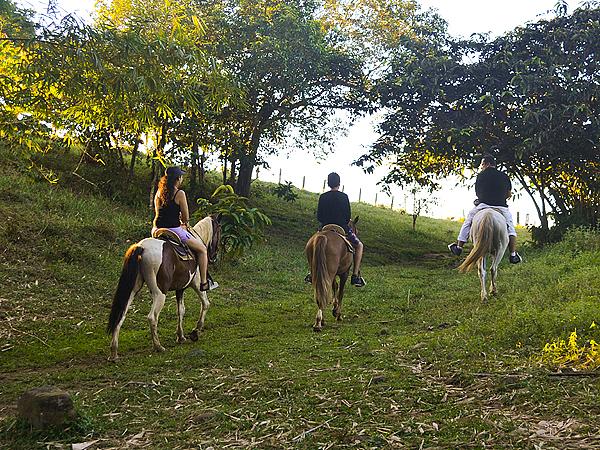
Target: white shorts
463,236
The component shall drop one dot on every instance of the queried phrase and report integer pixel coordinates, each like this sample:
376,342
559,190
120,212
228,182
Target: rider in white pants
463,236
492,188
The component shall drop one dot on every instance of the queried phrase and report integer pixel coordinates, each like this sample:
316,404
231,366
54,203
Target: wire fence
403,202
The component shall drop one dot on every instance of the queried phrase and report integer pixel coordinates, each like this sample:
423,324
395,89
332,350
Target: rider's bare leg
358,253
200,249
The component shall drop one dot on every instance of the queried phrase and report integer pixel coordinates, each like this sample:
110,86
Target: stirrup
208,286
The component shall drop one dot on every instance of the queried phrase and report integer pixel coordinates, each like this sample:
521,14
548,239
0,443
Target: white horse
154,262
490,237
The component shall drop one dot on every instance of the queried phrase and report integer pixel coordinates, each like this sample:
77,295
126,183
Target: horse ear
355,220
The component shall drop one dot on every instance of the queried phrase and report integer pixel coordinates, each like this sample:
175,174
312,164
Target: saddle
340,231
181,250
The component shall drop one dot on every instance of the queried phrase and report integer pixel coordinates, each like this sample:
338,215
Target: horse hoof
159,349
193,336
181,339
339,318
317,329
113,358
334,312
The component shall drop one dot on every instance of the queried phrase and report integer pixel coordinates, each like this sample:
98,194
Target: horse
490,237
329,257
154,262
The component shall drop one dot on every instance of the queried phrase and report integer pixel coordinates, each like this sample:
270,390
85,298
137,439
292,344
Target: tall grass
418,361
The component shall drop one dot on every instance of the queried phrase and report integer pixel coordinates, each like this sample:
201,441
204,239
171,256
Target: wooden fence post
279,176
392,205
323,185
359,194
518,217
303,180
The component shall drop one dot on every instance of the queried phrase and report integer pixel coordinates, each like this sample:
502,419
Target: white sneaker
212,285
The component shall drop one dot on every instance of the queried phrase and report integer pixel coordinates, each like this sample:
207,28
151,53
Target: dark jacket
492,187
334,207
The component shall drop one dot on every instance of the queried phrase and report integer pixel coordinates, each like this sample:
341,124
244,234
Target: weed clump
569,354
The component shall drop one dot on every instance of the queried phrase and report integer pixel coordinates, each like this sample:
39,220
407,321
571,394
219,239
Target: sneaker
212,285
308,278
455,249
358,281
515,259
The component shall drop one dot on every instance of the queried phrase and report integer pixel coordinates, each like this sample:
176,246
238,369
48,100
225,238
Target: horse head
213,245
352,225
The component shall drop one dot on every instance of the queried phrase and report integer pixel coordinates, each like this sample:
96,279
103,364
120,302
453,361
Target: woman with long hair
171,211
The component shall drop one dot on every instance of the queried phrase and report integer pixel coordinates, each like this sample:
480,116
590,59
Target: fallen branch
28,334
574,374
307,432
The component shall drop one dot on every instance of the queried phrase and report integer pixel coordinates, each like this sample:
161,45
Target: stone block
46,405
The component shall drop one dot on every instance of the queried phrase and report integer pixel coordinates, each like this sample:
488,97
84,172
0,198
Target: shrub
285,191
241,225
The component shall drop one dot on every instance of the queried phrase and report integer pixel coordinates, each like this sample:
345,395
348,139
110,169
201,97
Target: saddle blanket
181,250
340,231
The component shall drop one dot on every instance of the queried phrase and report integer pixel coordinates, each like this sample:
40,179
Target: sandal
209,285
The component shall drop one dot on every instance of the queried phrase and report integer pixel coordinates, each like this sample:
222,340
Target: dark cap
174,172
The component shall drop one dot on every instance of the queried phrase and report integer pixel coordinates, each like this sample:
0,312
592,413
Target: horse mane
204,230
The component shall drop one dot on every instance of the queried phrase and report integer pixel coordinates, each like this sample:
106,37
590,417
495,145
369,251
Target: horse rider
334,208
493,188
171,212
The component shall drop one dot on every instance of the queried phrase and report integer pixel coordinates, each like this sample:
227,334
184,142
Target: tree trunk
247,162
224,169
540,210
232,173
202,171
194,171
158,169
242,186
134,153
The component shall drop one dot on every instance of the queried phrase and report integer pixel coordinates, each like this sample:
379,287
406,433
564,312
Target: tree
531,97
108,83
292,77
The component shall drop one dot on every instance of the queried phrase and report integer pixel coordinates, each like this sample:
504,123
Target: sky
464,18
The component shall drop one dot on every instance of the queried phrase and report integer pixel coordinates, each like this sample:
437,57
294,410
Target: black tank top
168,214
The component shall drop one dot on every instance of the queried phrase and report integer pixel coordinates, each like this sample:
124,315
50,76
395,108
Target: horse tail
483,233
127,281
320,275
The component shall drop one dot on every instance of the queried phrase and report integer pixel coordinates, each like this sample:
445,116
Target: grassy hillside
417,362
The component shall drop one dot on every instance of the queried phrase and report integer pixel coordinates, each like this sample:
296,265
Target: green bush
564,223
241,225
285,191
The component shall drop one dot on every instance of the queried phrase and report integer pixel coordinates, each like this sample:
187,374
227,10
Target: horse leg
337,312
180,314
158,301
335,290
494,275
204,305
482,278
318,326
114,345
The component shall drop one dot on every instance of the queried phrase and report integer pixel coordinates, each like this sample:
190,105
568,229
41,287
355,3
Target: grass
418,361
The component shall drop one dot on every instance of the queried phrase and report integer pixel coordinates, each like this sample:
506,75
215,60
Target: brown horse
328,257
154,262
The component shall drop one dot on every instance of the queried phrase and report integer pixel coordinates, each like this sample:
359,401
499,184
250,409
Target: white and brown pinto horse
154,262
329,258
490,238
